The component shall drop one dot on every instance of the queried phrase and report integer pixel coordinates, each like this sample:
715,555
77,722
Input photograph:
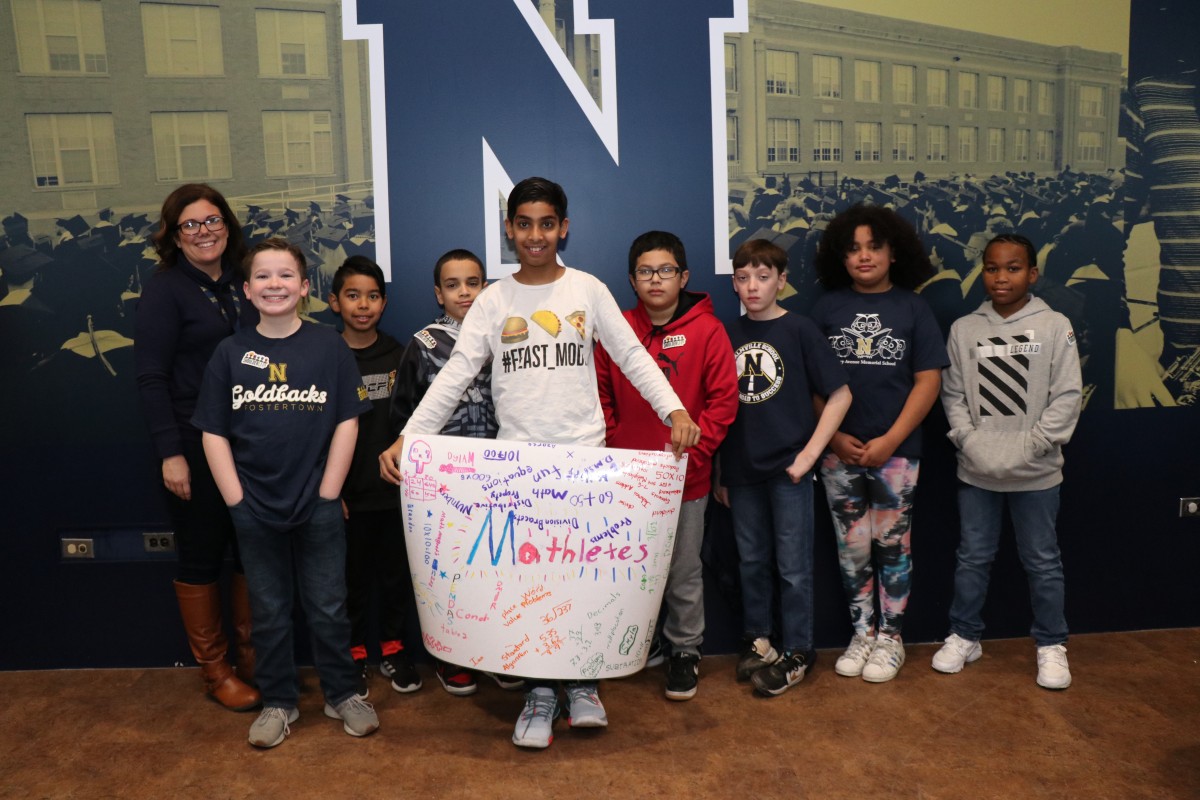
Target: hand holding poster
538,560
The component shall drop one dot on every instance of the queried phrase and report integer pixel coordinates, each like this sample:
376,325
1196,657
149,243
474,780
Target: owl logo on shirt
867,340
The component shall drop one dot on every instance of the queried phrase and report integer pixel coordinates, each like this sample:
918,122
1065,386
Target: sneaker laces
859,646
887,651
354,704
1053,654
538,705
961,646
269,713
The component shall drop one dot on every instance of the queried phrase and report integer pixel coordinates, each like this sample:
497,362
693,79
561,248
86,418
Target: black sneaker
758,653
683,672
360,680
456,680
402,672
784,673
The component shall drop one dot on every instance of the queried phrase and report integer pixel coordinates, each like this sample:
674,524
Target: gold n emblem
864,349
278,373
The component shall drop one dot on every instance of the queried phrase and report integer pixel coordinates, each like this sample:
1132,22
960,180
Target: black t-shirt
781,364
278,402
882,339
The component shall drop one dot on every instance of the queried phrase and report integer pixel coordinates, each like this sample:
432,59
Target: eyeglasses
647,274
192,227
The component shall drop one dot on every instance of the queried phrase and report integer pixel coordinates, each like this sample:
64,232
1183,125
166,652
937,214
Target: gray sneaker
358,716
584,709
535,726
272,726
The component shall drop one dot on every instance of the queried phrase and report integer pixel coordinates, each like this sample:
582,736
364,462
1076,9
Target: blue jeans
1033,515
774,520
313,557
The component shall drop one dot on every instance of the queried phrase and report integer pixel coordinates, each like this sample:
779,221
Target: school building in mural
823,93
110,105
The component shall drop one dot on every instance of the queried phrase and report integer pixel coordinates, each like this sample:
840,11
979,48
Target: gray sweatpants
684,627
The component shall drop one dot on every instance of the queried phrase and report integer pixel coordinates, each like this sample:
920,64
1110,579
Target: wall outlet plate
159,541
1189,507
76,547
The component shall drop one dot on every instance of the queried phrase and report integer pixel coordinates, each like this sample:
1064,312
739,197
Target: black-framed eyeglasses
665,273
191,226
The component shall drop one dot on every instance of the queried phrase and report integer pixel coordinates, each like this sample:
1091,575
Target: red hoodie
697,358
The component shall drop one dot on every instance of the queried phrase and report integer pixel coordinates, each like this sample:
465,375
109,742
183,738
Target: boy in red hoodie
687,340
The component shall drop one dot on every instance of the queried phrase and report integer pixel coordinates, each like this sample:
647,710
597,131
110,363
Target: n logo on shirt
278,373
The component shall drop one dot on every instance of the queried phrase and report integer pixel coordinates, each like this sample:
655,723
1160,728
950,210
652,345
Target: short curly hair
911,266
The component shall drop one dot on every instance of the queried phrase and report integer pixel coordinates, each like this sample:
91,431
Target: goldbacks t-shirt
278,402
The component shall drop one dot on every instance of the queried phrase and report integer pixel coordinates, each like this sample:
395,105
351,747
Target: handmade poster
538,560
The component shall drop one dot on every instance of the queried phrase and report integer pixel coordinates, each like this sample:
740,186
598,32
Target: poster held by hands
538,560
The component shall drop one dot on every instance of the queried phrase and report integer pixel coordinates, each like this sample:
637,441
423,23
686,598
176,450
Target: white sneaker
1053,672
535,726
886,660
956,652
855,658
584,709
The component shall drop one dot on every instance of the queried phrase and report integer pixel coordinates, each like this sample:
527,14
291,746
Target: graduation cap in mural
363,225
139,223
104,214
300,233
76,225
291,215
314,207
369,201
311,259
331,237
20,261
15,222
342,198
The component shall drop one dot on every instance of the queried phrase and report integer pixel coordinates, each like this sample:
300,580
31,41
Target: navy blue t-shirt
882,339
781,364
278,402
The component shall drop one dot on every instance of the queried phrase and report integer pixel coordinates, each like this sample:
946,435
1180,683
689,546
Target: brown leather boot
239,602
200,607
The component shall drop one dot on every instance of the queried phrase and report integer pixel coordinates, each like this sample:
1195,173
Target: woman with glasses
191,303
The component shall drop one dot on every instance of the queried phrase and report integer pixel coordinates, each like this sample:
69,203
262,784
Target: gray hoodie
1012,394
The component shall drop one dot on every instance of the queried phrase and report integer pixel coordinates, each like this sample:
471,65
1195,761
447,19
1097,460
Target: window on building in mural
731,138
182,40
291,44
60,37
191,146
1021,145
298,143
1091,146
968,90
1021,96
827,140
867,141
783,140
866,81
904,141
1091,101
70,150
782,71
731,83
937,82
1045,97
968,144
904,84
1045,146
995,145
827,76
937,140
995,92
